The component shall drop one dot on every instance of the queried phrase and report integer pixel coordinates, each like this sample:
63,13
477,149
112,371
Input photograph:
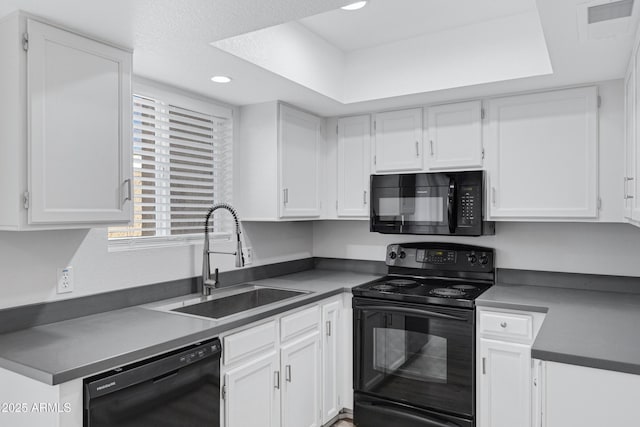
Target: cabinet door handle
503,324
626,180
276,379
417,149
364,197
287,373
493,196
484,366
128,182
431,145
328,328
285,195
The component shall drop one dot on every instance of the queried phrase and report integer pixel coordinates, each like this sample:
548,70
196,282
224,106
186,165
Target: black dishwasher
176,389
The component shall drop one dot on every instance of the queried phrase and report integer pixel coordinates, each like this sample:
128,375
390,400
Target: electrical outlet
65,280
248,256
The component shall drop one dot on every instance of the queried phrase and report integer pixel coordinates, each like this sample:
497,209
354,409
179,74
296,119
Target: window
182,164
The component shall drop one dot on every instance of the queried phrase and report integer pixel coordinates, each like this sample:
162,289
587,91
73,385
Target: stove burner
402,283
447,292
464,287
383,287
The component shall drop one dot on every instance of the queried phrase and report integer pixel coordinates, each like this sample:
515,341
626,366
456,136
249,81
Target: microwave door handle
451,206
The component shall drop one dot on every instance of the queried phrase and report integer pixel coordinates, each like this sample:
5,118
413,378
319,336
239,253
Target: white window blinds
182,164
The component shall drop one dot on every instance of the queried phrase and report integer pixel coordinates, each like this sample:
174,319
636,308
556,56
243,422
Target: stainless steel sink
226,306
226,302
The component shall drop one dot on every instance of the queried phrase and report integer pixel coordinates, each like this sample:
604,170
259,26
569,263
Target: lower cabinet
505,385
504,367
300,363
251,393
285,371
587,397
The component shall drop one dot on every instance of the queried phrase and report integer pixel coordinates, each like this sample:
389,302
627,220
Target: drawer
249,342
299,323
507,325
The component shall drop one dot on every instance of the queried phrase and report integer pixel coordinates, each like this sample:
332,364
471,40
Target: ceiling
171,42
394,20
394,48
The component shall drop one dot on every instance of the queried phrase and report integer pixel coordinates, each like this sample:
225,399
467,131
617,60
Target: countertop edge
588,362
511,306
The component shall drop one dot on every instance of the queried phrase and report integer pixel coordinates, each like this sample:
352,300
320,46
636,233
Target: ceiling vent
605,19
606,12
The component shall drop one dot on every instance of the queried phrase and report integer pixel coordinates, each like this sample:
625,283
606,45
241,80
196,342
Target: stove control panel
440,256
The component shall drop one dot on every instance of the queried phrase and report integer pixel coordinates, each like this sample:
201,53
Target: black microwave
443,203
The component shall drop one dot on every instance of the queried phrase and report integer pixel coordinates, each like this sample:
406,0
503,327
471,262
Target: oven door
415,354
416,210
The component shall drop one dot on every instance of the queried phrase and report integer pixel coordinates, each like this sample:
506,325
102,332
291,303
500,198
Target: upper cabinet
354,165
278,166
299,147
66,131
398,141
542,155
632,150
454,136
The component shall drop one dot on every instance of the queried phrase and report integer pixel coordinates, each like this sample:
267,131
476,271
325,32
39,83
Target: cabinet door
454,136
252,393
331,367
633,188
588,397
79,102
354,160
630,140
504,379
299,147
398,141
301,383
542,155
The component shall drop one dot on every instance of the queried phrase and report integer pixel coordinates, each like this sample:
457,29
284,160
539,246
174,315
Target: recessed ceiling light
221,79
355,6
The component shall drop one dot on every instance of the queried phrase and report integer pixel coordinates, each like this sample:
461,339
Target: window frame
189,101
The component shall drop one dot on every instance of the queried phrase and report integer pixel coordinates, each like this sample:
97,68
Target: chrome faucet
207,283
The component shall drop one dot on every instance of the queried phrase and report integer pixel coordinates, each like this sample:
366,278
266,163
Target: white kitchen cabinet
588,397
331,363
505,387
66,132
286,370
454,136
279,163
252,393
354,166
542,156
300,366
398,141
504,366
630,142
23,397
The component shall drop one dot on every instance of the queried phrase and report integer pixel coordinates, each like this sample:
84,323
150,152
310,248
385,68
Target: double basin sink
226,302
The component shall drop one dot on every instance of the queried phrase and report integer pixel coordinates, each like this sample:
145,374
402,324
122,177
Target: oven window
413,209
412,355
417,359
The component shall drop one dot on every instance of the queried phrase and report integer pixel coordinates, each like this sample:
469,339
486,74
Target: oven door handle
414,311
424,419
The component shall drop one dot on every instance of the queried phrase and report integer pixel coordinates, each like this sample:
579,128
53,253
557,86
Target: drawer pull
503,324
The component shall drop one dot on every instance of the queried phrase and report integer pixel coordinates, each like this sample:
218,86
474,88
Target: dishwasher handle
155,368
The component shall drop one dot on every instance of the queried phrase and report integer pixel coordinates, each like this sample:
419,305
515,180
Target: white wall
28,260
591,248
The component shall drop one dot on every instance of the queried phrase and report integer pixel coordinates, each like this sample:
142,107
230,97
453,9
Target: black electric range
414,336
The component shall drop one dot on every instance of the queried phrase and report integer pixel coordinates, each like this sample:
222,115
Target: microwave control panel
470,205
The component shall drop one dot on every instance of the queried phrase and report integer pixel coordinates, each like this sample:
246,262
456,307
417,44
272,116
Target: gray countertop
587,328
62,351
